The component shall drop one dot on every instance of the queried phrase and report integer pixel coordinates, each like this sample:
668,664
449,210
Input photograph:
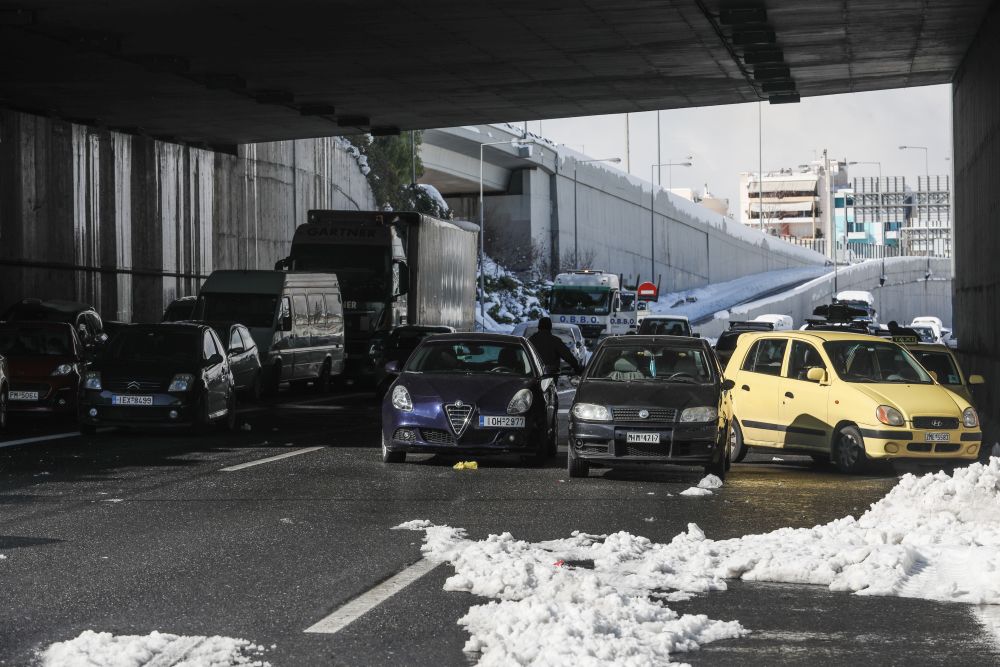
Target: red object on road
647,292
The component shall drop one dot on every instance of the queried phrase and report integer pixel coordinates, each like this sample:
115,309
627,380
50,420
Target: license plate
649,438
489,421
23,395
937,437
131,400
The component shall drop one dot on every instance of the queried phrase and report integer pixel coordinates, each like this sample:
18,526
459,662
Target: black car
180,309
244,361
726,344
650,399
83,317
397,345
159,375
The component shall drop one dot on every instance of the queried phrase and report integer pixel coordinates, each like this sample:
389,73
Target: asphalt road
134,532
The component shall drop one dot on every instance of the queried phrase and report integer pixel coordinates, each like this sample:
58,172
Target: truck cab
591,300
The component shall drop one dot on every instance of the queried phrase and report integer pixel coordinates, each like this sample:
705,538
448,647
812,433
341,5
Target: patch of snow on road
107,650
695,491
710,482
934,537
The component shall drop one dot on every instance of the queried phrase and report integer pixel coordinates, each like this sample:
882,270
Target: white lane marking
269,459
45,438
291,406
372,598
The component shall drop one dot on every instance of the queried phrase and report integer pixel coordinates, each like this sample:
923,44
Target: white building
792,202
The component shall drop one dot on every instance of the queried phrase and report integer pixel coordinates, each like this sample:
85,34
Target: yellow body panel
798,414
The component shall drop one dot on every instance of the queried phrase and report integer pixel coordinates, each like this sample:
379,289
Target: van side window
770,353
300,310
286,309
316,308
802,357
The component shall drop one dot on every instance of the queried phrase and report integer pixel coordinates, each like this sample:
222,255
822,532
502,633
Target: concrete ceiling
236,71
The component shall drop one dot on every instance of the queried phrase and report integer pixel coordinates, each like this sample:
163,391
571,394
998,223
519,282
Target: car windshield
628,301
250,310
941,364
874,362
470,357
649,362
155,346
659,327
35,341
586,301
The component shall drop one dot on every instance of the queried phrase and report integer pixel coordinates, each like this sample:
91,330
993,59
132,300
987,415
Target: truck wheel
849,451
576,467
389,456
738,450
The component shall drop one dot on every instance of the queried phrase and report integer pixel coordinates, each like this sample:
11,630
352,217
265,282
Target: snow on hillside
510,300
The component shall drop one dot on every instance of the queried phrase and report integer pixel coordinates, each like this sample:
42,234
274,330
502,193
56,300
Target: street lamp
670,171
576,247
927,203
652,212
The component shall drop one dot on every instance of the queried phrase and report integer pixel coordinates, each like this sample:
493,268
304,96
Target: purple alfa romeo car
471,394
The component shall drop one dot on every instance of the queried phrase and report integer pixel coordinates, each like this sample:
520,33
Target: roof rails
751,326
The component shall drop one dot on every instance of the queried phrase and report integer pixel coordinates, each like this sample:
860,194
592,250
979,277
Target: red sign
647,292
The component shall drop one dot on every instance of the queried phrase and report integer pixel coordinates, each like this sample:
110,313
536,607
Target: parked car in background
665,325
929,329
944,366
778,322
180,309
570,334
83,318
397,346
726,343
650,399
296,320
172,374
244,360
4,387
844,396
471,394
44,364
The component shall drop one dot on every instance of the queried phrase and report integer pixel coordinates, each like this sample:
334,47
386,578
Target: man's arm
566,355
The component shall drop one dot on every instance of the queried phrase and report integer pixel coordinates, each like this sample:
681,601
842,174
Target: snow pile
510,300
434,195
107,650
935,537
710,482
358,156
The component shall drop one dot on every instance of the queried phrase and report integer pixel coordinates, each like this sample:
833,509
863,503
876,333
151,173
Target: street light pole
652,213
576,247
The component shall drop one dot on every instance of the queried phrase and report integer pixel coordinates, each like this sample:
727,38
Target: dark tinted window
765,357
27,341
155,345
656,327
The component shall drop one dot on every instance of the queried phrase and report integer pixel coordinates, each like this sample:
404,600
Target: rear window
656,327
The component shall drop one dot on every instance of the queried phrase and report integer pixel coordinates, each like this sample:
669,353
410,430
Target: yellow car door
804,409
758,388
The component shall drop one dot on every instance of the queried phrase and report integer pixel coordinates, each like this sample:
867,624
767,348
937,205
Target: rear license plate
131,400
489,421
937,437
648,438
23,395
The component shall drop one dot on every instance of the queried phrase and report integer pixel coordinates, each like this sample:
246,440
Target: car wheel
719,468
738,450
849,451
88,429
389,456
575,466
553,444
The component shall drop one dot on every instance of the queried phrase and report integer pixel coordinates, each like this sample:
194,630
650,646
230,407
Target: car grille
435,436
458,417
122,384
647,449
947,447
919,447
655,414
929,422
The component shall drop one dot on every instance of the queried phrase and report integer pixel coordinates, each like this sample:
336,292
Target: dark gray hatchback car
650,399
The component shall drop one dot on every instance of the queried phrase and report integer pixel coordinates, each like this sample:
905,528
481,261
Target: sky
723,140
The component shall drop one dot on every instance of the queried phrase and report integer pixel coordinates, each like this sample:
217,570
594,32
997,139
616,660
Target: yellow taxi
845,397
940,361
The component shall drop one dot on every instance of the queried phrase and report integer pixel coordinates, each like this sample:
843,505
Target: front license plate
937,437
489,421
131,400
632,436
23,395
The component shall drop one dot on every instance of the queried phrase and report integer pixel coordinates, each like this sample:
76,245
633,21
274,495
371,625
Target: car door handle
789,394
745,387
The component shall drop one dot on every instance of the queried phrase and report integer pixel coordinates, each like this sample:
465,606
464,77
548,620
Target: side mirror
392,367
214,360
976,379
727,384
815,374
233,351
286,323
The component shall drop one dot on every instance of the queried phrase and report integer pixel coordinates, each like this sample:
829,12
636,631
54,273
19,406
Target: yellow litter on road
466,465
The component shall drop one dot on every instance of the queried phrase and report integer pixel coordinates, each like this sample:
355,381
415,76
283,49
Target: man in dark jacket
550,349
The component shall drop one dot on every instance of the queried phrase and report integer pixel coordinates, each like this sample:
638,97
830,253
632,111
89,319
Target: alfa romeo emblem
643,414
459,404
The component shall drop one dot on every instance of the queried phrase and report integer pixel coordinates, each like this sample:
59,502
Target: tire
389,456
88,430
738,450
576,467
553,444
719,468
273,382
322,383
849,451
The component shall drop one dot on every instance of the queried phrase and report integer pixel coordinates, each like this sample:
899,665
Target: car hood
666,394
485,391
135,370
36,366
914,399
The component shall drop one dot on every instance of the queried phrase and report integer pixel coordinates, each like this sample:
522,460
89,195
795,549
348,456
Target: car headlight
591,413
702,413
401,399
64,369
889,415
520,403
181,382
92,380
970,418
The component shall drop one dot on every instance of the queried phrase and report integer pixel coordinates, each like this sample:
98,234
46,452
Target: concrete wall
976,117
128,223
906,294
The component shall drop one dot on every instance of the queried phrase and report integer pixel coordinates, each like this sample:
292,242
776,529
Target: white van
780,322
296,319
